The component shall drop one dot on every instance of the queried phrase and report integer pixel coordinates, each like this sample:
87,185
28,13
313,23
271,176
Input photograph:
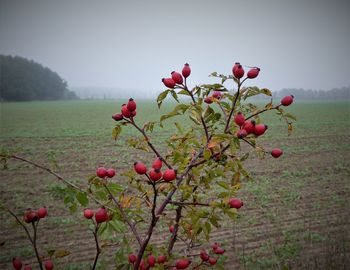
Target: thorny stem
34,244
264,110
98,249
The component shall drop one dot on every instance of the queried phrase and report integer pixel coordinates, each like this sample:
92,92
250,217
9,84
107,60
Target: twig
98,249
34,244
189,203
21,223
264,110
176,228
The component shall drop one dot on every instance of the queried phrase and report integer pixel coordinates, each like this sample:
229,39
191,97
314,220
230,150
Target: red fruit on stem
238,72
110,172
204,255
219,250
42,212
253,73
212,261
101,172
157,164
249,126
155,174
276,152
182,263
162,259
88,213
17,263
177,77
133,113
131,106
169,82
30,216
101,215
217,94
140,168
208,100
235,67
117,116
125,112
215,246
171,228
242,133
132,258
239,119
260,129
235,203
287,100
151,260
27,267
186,71
169,175
48,265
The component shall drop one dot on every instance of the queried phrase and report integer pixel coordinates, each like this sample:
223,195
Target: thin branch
176,228
98,249
34,244
264,110
21,223
189,203
223,111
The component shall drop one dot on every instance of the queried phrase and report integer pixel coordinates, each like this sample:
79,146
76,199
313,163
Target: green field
296,213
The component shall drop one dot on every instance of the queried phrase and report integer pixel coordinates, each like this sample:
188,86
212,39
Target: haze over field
133,44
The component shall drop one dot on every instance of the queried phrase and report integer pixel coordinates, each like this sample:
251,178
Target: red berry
276,152
140,168
235,67
215,246
171,228
217,94
30,216
186,71
208,100
155,174
287,100
88,213
260,129
177,77
253,73
101,172
169,82
48,265
27,267
212,261
235,203
131,106
101,215
169,175
242,133
239,119
110,172
219,250
133,113
132,258
249,126
125,112
204,255
238,71
42,212
162,259
17,263
157,164
182,263
151,260
117,116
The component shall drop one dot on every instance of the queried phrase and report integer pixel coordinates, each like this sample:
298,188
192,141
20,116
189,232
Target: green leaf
82,198
116,131
184,92
117,225
288,115
161,97
173,93
266,92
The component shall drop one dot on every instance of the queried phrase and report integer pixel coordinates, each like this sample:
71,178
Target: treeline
23,80
302,94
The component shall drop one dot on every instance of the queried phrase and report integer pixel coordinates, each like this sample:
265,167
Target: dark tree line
22,80
302,94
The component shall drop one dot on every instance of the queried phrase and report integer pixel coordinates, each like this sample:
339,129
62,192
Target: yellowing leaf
290,129
126,201
61,253
116,131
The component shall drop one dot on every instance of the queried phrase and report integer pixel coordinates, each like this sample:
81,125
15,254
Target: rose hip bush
180,194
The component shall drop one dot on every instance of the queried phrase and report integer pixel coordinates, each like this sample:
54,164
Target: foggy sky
133,44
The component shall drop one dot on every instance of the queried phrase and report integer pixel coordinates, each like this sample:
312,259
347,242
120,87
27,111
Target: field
297,208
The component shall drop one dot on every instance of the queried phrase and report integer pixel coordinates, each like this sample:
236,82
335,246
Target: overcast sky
133,44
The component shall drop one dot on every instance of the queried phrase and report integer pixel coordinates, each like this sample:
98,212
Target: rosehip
182,263
133,113
151,260
215,246
30,216
117,116
17,263
204,255
217,94
242,133
88,213
260,129
219,250
238,72
276,152
27,267
186,71
177,77
249,126
253,73
110,172
140,168
131,106
125,112
157,164
212,261
169,82
235,203
101,172
42,212
208,100
132,258
239,119
287,100
48,265
169,175
235,67
155,174
101,215
171,228
162,259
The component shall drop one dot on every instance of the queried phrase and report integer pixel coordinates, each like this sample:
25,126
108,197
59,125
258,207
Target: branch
264,110
21,223
34,244
189,203
176,228
98,249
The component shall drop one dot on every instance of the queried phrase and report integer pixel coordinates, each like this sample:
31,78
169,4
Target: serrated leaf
161,97
116,131
82,198
173,93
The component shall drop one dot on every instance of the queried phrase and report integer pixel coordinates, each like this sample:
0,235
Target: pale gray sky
133,44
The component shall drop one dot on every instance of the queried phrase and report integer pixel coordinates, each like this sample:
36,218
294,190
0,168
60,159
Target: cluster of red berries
216,249
17,264
128,111
238,71
176,78
101,214
31,215
210,99
155,173
151,261
102,172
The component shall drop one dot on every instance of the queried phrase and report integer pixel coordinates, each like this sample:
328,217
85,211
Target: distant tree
22,79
